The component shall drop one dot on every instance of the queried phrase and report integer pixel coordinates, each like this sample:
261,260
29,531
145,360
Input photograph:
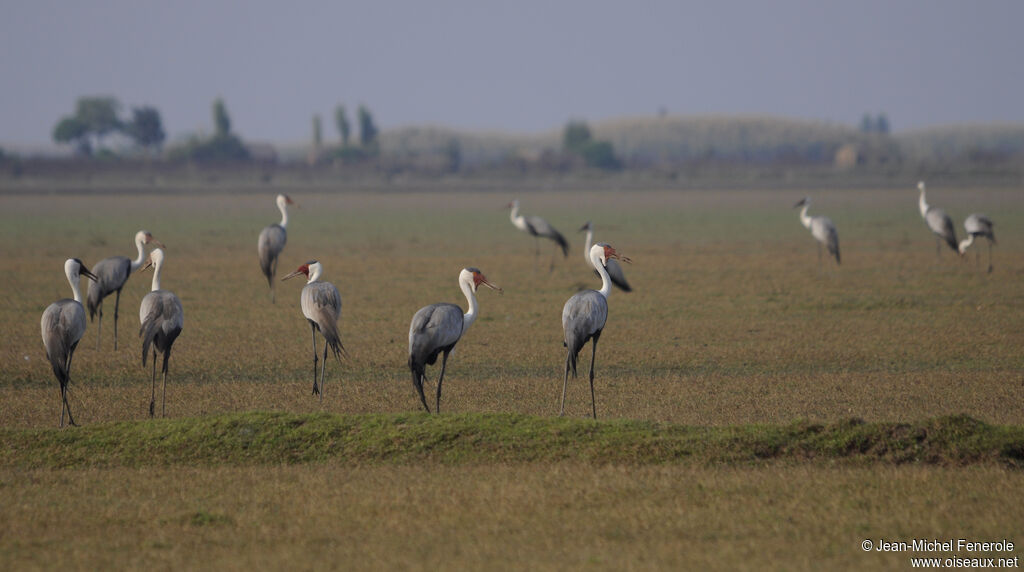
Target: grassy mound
282,438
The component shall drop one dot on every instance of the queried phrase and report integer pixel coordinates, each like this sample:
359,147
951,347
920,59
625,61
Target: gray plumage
822,229
111,275
271,242
538,228
162,318
62,326
583,319
938,222
268,248
978,225
321,305
435,329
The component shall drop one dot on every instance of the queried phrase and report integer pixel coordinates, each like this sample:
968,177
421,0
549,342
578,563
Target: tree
867,125
341,121
882,124
72,130
94,118
367,129
576,135
146,128
221,121
318,136
99,115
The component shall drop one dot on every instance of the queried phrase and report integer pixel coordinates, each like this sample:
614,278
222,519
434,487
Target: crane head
802,202
607,253
301,271
147,238
156,257
75,266
513,204
586,226
920,186
479,278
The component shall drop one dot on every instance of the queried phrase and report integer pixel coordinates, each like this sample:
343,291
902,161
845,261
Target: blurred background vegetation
100,141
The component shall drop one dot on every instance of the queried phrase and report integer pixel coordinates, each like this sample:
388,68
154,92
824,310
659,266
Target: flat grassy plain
733,321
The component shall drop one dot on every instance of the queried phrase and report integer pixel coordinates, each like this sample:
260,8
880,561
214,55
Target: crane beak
800,203
157,243
625,259
485,282
293,275
584,227
85,272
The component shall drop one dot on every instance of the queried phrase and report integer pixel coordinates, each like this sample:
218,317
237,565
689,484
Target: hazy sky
519,65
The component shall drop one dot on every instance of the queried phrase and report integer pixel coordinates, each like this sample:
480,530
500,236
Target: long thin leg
273,274
152,398
593,354
819,253
163,393
419,388
565,382
440,378
99,326
323,371
316,390
71,420
938,248
990,257
117,304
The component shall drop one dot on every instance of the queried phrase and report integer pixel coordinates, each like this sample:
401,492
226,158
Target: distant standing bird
111,275
162,318
612,266
978,224
63,325
321,305
271,243
583,319
821,228
436,328
537,227
938,221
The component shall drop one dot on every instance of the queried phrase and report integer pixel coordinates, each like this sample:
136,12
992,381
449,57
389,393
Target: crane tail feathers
557,236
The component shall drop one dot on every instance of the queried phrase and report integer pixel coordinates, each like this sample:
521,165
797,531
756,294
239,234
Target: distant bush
211,150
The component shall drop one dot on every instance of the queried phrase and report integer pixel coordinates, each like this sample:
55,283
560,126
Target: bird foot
316,389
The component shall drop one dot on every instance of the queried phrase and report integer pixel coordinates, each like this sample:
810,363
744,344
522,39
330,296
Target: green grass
276,438
756,411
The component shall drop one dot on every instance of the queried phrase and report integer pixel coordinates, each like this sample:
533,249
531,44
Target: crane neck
315,271
283,207
156,276
804,218
140,245
586,245
922,204
76,292
965,243
470,316
606,282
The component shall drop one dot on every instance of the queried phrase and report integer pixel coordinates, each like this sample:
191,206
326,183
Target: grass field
732,322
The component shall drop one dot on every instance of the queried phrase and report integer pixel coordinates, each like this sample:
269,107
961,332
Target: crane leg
593,355
64,396
440,378
273,273
990,257
565,382
99,326
418,384
938,248
117,304
152,397
316,390
163,392
323,372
